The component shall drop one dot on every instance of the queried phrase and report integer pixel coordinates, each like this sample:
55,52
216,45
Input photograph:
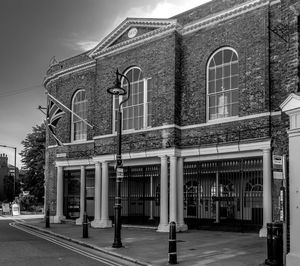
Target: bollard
274,244
85,230
172,244
48,217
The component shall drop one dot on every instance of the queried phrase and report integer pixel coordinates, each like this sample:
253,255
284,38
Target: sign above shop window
132,32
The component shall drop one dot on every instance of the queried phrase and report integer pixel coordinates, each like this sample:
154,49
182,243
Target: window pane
141,98
235,109
212,113
234,57
141,110
234,69
211,87
219,73
234,82
226,84
211,74
212,101
235,96
219,85
218,58
226,71
227,56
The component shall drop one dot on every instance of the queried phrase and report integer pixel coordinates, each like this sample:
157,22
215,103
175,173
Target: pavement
145,246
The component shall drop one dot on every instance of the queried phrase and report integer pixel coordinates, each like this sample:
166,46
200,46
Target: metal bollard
48,217
172,244
274,244
85,230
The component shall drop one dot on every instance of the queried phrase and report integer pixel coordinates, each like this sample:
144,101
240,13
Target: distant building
201,124
7,173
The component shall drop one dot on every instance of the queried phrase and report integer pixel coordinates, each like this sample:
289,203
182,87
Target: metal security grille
139,192
224,191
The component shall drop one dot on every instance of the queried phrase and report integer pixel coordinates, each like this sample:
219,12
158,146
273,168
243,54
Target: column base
101,223
263,232
79,221
292,259
57,219
163,228
182,227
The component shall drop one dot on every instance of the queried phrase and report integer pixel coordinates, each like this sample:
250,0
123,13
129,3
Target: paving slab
194,247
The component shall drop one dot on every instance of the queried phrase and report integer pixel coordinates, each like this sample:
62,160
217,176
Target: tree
33,157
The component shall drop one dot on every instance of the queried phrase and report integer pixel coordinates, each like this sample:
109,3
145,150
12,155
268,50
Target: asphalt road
18,247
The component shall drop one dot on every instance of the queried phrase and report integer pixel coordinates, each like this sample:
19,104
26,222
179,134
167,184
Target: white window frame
207,86
72,117
145,105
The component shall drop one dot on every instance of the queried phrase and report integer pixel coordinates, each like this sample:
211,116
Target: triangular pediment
291,103
132,31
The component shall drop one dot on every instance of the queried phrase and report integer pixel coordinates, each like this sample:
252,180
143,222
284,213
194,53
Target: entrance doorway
224,193
140,199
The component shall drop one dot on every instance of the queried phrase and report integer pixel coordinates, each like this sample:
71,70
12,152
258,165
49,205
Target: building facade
199,129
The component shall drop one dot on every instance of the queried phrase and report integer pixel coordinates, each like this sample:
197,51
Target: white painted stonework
291,106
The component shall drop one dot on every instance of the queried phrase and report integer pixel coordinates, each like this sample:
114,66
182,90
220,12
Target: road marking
67,246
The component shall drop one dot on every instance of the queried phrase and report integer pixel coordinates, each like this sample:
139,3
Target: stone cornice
248,149
224,15
68,71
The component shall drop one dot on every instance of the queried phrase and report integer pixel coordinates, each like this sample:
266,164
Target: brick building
199,128
6,179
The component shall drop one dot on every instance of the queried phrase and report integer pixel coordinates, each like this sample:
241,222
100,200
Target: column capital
266,150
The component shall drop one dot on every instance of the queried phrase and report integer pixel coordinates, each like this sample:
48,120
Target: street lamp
117,90
15,148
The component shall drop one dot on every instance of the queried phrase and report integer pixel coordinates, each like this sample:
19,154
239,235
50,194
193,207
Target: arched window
137,110
79,107
223,84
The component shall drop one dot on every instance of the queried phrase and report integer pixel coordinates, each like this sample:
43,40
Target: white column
181,225
217,202
163,223
59,195
97,212
291,106
267,192
82,195
173,189
105,222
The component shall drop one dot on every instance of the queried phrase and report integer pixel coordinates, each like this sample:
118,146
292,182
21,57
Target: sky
33,31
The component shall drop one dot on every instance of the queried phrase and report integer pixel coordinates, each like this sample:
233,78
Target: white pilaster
291,106
105,222
59,196
82,194
97,212
163,223
267,192
181,225
173,190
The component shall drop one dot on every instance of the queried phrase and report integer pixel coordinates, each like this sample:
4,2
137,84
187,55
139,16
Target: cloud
163,9
86,45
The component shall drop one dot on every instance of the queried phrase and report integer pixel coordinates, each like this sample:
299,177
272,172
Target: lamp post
118,91
15,148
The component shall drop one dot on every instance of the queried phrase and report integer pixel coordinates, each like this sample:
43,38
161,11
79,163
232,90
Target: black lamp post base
117,244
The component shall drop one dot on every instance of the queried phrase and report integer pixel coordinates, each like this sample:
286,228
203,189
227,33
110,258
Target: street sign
277,162
120,173
5,208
